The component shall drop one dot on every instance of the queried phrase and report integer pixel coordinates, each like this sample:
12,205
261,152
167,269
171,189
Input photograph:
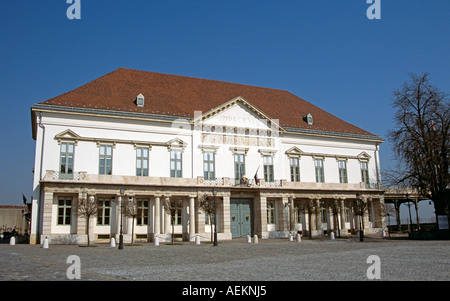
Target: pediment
363,156
175,143
238,113
294,152
67,135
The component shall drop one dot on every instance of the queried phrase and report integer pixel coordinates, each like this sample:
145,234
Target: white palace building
278,163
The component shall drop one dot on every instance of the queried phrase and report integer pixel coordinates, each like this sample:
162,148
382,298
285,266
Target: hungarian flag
256,176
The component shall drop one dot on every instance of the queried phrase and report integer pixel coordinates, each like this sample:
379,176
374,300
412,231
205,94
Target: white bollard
45,244
156,241
255,239
249,240
291,238
299,238
197,240
332,235
12,241
112,243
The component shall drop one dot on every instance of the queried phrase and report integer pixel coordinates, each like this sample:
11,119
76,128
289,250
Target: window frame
343,172
320,170
142,171
143,206
178,218
103,170
66,155
207,164
104,211
271,218
176,162
239,166
364,165
268,168
294,168
298,212
66,215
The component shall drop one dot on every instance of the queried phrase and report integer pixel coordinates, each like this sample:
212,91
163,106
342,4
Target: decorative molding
69,135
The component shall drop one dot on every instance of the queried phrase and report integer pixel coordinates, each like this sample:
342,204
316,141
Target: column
226,226
47,213
342,213
191,217
318,215
167,219
157,221
260,222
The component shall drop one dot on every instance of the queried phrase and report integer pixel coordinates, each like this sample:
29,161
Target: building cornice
183,119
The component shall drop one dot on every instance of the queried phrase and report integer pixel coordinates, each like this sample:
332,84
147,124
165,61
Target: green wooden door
241,217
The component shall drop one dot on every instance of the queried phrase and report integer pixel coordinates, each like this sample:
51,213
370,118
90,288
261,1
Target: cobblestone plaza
236,260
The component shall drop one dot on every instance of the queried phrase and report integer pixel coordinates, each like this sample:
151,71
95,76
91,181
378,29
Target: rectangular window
297,213
365,174
209,166
347,211
104,212
178,218
142,207
142,161
64,211
342,164
295,169
369,210
323,213
320,176
268,168
66,159
105,162
239,167
176,163
270,212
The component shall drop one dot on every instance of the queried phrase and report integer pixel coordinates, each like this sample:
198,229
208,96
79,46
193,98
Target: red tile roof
175,95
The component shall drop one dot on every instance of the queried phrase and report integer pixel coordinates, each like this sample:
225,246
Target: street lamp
215,216
360,209
122,193
289,204
409,209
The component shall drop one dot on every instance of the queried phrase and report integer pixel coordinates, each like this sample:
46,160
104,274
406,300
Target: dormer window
308,118
140,99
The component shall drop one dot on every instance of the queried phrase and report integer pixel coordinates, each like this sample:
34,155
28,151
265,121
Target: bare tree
359,207
421,140
309,207
172,206
132,210
87,208
206,204
335,206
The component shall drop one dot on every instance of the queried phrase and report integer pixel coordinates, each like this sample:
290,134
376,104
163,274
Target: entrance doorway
241,217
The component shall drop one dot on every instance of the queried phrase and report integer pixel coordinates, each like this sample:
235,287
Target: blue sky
325,51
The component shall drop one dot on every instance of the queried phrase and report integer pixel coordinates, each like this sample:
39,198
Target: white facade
278,204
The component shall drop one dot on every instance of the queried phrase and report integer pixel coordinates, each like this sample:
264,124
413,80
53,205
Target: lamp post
215,216
360,209
409,209
122,193
289,204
